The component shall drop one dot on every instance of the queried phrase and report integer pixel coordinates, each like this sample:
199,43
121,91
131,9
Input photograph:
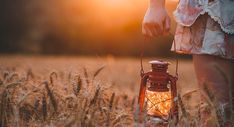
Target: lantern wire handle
177,61
142,54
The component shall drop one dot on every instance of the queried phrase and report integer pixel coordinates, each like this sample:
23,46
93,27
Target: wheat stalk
98,71
14,76
51,96
111,101
3,112
53,76
1,82
182,107
5,75
78,86
133,103
30,75
231,92
86,75
214,104
44,108
94,100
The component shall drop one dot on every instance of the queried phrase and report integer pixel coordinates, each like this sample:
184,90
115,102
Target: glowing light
159,103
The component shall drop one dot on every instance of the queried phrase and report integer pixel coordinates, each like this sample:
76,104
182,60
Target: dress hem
201,53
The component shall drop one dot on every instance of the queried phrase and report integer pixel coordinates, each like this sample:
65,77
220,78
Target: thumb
167,25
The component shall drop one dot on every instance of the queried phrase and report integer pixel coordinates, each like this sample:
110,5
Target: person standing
205,29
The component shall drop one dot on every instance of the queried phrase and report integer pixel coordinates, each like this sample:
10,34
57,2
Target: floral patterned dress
205,27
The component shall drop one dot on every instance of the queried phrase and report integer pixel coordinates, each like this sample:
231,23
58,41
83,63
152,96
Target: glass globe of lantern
158,91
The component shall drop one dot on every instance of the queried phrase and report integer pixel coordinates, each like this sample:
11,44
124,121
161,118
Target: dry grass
88,92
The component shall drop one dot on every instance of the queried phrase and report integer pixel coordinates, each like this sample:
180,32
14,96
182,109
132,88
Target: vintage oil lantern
158,92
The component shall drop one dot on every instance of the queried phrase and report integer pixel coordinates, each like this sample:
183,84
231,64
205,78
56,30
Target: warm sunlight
92,23
84,63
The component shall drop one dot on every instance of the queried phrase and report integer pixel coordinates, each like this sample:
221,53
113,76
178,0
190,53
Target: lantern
158,92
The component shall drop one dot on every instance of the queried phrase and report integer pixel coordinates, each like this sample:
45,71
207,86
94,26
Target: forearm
157,3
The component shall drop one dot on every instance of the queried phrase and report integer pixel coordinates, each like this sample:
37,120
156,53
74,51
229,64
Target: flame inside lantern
158,103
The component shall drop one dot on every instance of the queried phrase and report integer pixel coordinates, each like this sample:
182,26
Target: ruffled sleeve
221,11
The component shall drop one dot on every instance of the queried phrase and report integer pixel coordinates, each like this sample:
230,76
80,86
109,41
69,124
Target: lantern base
163,117
152,120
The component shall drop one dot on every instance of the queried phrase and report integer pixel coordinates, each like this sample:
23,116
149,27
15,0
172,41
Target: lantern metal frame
158,79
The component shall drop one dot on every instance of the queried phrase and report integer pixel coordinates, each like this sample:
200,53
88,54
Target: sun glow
99,21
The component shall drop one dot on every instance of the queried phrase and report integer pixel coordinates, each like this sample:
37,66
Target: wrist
157,4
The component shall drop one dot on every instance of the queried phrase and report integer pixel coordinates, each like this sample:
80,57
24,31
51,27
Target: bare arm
157,3
156,21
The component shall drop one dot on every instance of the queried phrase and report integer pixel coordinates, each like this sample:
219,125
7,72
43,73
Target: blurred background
78,27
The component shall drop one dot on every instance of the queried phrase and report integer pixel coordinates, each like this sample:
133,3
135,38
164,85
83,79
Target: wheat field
48,91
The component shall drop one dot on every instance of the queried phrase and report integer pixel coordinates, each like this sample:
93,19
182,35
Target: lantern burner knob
159,66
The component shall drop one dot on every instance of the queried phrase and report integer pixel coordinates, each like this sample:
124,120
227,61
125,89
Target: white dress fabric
221,11
205,27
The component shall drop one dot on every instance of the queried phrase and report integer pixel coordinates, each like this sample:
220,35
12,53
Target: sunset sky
77,26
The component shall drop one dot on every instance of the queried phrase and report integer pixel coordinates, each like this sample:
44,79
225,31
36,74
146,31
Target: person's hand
156,22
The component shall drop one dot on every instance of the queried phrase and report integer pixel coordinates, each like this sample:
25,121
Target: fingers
155,32
151,30
156,29
159,29
146,30
167,26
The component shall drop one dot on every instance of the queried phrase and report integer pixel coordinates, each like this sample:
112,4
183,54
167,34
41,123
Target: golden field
83,91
